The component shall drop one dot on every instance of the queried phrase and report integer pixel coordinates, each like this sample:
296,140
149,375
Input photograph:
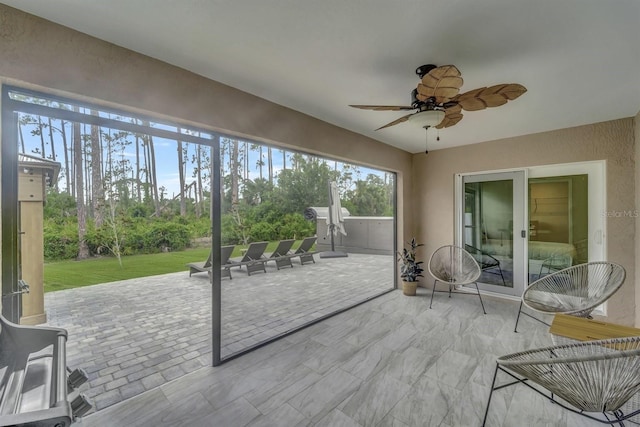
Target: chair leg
518,318
433,292
481,303
493,383
504,283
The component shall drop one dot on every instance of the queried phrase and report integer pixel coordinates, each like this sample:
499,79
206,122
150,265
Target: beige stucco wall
433,177
48,56
636,128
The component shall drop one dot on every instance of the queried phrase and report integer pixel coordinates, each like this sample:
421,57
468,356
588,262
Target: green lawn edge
69,274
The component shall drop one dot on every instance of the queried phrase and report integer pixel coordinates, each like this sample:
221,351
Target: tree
137,177
304,186
369,197
65,149
150,162
181,173
256,191
97,187
234,166
83,249
197,159
270,164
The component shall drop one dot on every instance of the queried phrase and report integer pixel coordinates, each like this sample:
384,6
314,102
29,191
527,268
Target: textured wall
612,141
636,127
46,55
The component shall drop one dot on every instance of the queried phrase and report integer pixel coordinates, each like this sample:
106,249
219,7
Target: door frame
597,185
520,247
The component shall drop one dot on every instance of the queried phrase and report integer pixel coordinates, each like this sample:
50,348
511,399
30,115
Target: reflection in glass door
492,229
558,223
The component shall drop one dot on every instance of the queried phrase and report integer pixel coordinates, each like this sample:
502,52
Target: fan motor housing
422,70
428,104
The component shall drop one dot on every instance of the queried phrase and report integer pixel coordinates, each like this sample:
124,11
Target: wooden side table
582,329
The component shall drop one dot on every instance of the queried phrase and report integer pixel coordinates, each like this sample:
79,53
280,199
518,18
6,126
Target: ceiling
579,59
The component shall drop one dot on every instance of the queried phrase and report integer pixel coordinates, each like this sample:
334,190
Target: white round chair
576,290
456,267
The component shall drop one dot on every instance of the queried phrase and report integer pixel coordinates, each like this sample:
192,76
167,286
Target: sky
166,158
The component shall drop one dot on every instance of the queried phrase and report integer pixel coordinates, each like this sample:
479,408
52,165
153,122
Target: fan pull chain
438,133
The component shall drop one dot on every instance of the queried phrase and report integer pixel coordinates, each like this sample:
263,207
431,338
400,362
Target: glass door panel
492,225
558,223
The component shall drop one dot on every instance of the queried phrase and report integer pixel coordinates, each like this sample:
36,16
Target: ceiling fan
438,102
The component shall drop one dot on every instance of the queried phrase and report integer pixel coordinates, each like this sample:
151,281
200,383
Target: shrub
262,231
60,239
167,235
137,235
230,232
199,227
294,226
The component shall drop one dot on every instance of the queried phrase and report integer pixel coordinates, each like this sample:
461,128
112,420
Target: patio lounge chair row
255,258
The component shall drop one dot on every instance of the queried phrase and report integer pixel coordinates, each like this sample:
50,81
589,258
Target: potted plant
410,269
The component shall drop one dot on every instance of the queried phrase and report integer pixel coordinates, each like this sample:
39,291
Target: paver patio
133,335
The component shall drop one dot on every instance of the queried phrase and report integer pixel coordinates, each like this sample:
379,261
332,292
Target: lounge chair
253,258
281,254
201,267
304,250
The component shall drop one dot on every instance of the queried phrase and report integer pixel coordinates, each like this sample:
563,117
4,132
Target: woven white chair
456,267
576,290
591,377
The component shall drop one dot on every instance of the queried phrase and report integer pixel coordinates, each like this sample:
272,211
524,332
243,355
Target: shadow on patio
133,335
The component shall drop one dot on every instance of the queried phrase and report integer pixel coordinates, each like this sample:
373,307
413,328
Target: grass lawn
74,274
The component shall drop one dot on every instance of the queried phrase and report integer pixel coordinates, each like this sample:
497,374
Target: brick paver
133,335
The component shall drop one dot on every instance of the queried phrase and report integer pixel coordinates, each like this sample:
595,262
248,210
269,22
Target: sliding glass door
492,222
522,225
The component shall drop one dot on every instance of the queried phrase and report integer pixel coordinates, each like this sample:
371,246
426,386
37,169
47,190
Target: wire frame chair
576,290
456,267
487,263
593,377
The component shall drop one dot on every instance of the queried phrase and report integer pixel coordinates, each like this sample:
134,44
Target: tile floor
389,362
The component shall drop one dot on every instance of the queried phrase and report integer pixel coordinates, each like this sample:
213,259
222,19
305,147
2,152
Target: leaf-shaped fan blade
512,91
494,96
383,107
449,120
452,115
395,122
443,83
454,109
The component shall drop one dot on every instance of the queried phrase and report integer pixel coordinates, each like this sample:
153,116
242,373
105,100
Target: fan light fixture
427,118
